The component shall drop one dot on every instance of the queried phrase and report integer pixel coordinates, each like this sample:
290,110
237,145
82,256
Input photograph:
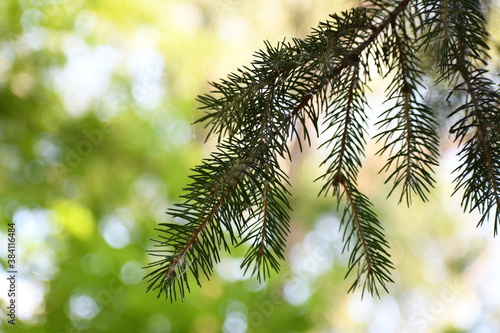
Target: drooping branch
369,253
463,51
409,133
239,196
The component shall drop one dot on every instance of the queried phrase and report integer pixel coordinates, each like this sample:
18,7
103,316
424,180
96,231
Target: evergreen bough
240,194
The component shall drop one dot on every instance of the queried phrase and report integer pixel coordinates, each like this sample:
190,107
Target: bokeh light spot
75,218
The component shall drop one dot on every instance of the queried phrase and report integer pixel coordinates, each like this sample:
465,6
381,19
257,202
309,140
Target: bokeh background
97,101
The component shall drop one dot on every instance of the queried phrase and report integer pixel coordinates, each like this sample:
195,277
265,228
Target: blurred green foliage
96,104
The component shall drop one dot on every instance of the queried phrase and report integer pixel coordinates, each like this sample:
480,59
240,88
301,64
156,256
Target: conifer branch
369,253
461,49
409,125
269,221
239,196
196,244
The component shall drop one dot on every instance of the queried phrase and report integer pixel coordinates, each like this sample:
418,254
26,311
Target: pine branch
409,133
479,174
460,33
270,219
218,191
369,254
267,229
239,195
228,107
480,153
347,142
360,225
241,178
340,35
